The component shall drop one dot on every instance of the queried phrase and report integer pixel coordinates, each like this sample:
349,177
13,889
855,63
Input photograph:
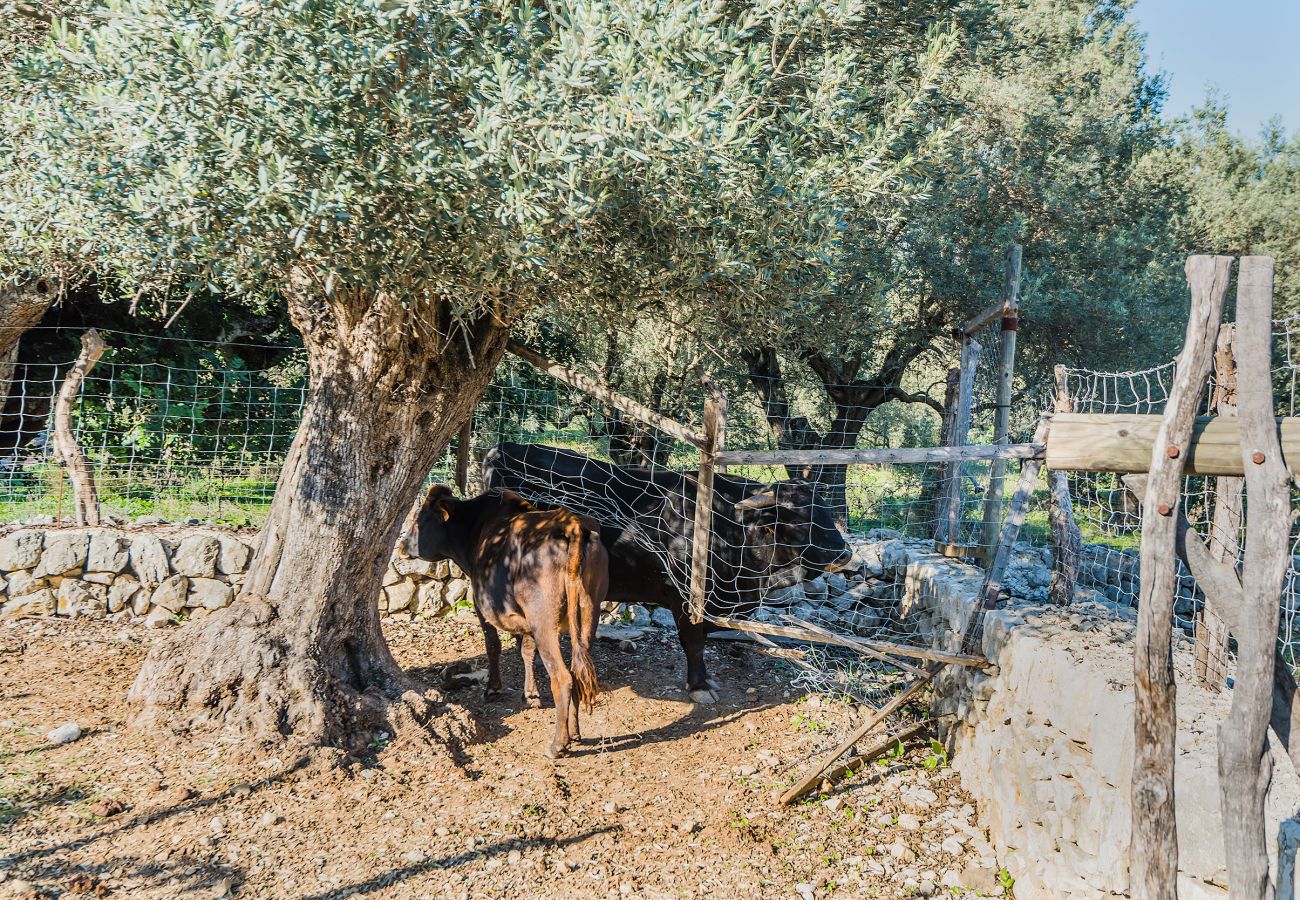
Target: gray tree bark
300,655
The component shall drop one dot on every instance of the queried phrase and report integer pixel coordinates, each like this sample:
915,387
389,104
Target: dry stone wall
162,574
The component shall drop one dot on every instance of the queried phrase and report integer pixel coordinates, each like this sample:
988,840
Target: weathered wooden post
950,528
1067,540
715,418
1225,530
1245,764
463,442
85,501
1002,413
936,488
1153,854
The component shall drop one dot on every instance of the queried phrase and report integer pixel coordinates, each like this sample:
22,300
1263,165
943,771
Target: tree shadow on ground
443,863
652,671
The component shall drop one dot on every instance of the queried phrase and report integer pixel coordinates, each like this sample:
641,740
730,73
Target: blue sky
1248,49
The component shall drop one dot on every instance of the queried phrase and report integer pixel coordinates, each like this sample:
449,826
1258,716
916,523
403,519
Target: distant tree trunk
854,399
21,308
300,654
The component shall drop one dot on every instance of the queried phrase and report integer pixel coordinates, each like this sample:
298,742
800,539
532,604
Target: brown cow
535,574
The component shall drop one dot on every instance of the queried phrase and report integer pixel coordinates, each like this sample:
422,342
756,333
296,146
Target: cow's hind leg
699,685
493,641
528,652
548,642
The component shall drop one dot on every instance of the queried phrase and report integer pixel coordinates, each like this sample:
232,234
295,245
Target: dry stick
862,647
1245,765
798,634
715,415
1153,854
1067,540
814,777
1221,582
613,398
85,501
1211,630
1123,442
881,746
1002,414
1019,506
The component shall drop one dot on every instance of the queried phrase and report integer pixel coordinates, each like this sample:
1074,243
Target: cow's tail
582,616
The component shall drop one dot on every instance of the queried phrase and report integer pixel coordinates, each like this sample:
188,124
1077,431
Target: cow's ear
762,500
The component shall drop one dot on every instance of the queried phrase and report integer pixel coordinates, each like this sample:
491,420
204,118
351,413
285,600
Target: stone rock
232,559
149,560
409,565
909,822
140,600
836,583
980,879
38,603
65,551
24,582
64,734
158,618
122,592
400,596
638,615
662,617
170,595
197,556
109,551
82,598
919,799
20,550
816,589
785,596
209,593
104,578
428,597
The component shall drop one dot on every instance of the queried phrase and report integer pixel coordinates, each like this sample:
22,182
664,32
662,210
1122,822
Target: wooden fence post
1153,853
1245,764
1225,530
937,487
1002,413
85,500
950,528
715,418
463,442
1067,540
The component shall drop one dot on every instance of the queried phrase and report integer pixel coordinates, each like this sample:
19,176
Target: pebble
225,887
926,888
513,857
746,771
415,857
64,734
833,803
181,794
270,819
107,808
805,891
909,822
952,845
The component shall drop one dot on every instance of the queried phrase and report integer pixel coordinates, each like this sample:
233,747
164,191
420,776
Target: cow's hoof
492,694
554,752
704,695
533,702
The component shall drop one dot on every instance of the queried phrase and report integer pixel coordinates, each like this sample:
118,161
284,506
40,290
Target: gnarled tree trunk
21,308
300,654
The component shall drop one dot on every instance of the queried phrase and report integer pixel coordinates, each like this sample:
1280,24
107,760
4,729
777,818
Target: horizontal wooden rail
613,398
877,457
996,311
800,634
1123,443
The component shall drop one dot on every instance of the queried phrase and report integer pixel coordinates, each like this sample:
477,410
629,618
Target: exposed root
239,672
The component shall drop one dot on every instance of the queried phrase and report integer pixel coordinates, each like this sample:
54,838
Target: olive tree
407,180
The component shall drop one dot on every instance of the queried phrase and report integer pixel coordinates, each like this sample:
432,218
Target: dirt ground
662,799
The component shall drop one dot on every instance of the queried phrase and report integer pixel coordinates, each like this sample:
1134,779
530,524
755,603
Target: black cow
762,537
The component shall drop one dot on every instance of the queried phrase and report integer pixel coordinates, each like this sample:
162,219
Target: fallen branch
65,442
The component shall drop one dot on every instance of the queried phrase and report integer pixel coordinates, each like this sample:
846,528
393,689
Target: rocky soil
663,798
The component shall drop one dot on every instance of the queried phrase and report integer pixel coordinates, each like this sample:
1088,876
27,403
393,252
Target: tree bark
1225,534
300,655
1067,540
21,308
86,498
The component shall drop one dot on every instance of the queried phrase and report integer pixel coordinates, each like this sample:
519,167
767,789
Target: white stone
65,551
122,592
64,734
82,598
109,551
149,560
408,565
663,617
171,594
20,550
23,582
196,556
400,595
457,590
159,618
37,603
909,822
209,593
429,597
233,556
104,578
